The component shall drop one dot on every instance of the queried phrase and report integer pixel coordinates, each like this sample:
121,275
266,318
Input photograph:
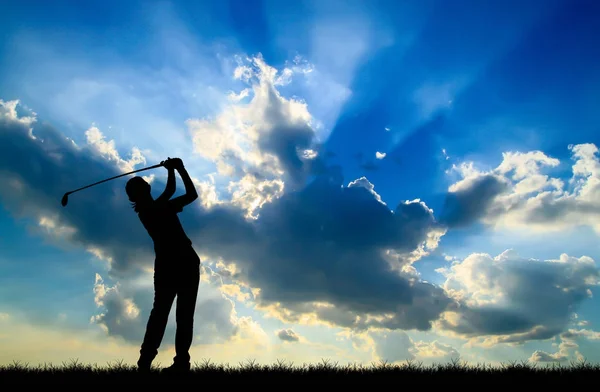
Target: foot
144,365
177,368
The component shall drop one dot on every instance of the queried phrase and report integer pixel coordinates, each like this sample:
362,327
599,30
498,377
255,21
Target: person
176,264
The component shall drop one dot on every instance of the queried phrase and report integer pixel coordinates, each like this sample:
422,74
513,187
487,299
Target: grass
408,372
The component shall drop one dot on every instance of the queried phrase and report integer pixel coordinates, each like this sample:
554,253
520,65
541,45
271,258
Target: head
138,191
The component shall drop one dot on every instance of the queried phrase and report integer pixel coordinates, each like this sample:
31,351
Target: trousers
175,276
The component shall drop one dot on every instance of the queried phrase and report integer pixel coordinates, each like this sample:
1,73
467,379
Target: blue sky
341,150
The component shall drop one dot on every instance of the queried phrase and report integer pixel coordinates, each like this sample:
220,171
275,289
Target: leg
164,294
186,304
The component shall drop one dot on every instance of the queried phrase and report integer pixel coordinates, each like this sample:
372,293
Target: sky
378,181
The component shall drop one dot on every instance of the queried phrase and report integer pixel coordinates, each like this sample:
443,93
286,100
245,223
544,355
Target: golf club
65,198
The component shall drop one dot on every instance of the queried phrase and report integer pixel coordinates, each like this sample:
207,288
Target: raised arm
170,188
190,190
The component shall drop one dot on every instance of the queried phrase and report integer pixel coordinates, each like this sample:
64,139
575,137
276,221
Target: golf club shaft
112,178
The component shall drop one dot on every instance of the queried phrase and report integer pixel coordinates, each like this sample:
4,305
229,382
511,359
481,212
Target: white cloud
238,97
125,308
398,347
149,179
8,110
435,351
262,142
510,299
54,229
242,72
574,334
121,316
207,192
517,194
568,347
363,182
380,155
542,356
107,149
251,194
235,291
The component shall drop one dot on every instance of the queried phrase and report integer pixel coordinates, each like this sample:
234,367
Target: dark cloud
283,138
41,170
512,299
470,203
323,243
288,335
552,210
321,249
124,312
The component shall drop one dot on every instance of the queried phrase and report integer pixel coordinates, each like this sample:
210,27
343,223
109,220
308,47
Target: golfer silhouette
176,264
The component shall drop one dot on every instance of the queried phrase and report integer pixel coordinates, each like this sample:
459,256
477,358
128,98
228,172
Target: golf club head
65,199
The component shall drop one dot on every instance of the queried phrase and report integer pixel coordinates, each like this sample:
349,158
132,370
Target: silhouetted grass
206,371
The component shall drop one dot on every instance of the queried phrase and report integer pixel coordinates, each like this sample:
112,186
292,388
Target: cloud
42,344
366,184
394,347
436,352
511,299
34,343
567,348
238,97
250,194
517,194
321,252
264,138
43,165
235,291
107,149
288,335
121,317
125,309
574,334
142,108
542,356
380,155
469,200
397,346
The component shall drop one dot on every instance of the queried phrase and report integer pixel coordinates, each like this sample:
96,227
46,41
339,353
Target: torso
165,229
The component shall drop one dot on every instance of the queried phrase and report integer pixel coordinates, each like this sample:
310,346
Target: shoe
144,365
177,368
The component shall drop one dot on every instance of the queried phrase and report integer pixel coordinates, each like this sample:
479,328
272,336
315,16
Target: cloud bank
300,242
